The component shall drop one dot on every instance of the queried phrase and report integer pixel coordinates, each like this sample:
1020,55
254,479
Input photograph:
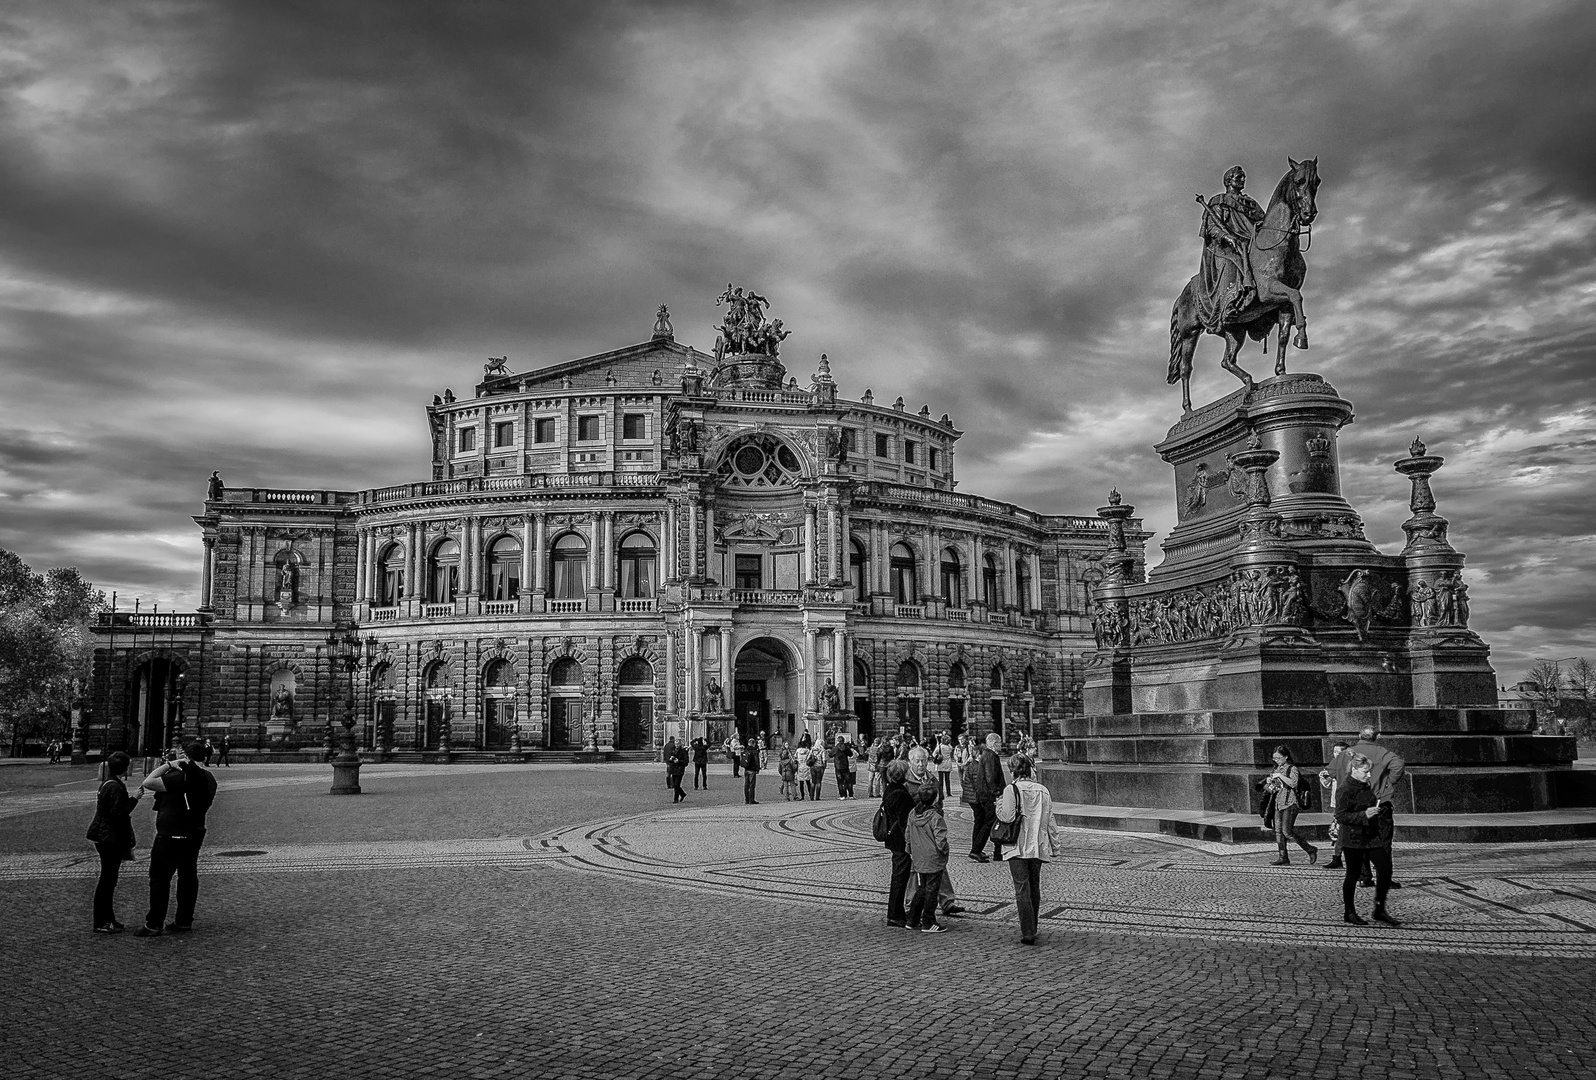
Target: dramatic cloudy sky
257,237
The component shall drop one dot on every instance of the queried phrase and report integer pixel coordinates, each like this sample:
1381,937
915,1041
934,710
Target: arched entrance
498,704
635,705
766,698
861,701
438,682
565,704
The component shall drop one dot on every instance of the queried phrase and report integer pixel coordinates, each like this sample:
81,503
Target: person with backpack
892,818
817,769
1289,791
112,833
1027,803
787,769
184,791
927,836
942,758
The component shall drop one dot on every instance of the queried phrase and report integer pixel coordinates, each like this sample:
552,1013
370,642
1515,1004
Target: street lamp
344,650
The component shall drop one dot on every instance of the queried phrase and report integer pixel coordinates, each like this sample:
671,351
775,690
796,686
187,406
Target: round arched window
565,672
760,460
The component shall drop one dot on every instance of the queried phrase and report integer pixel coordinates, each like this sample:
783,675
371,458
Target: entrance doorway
765,694
636,705
565,705
152,707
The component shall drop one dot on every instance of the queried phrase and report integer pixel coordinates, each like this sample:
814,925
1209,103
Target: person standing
112,833
1037,843
991,783
700,763
734,750
787,769
223,748
972,795
1284,782
1386,772
897,804
751,766
927,836
842,760
675,769
1330,778
943,758
817,769
184,791
873,758
1366,827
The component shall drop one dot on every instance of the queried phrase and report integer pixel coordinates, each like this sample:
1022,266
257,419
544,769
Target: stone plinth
1273,621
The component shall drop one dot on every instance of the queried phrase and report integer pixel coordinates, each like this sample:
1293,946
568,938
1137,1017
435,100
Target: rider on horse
1230,220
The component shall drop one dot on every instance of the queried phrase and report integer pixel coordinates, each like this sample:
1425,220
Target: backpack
881,825
1305,792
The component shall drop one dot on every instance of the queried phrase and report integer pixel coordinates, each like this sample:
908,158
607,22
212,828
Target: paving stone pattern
630,938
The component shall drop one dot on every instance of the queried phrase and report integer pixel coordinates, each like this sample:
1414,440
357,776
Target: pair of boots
1380,916
1313,856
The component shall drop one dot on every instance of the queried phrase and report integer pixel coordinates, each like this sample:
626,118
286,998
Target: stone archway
766,693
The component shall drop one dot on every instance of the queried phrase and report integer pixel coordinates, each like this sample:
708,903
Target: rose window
759,461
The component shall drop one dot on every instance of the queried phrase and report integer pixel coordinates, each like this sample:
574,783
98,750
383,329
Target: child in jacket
927,834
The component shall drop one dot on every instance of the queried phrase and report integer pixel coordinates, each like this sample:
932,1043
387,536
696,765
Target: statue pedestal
1273,621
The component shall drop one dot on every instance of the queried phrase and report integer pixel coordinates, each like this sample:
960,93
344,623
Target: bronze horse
1278,269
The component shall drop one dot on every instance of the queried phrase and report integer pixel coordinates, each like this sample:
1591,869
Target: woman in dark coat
112,833
897,804
675,769
1366,827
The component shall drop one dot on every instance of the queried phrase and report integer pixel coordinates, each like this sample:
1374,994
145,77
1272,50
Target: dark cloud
258,237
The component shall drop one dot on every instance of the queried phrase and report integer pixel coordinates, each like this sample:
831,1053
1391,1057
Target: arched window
857,561
391,575
997,678
908,676
637,565
565,672
504,569
952,579
905,585
996,703
861,679
989,582
637,672
437,676
1030,679
498,673
443,572
568,567
956,676
1022,584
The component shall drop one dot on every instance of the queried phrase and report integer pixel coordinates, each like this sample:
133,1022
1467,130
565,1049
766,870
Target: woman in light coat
1037,842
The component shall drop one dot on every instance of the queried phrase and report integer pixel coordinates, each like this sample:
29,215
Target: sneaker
1354,918
173,928
145,931
934,928
979,856
108,928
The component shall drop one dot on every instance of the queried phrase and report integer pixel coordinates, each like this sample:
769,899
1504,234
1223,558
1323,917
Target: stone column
725,668
1007,586
842,667
810,682
540,560
833,543
695,671
668,653
207,573
809,568
606,528
526,553
692,542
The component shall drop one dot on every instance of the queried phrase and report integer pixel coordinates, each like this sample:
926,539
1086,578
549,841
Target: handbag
1008,832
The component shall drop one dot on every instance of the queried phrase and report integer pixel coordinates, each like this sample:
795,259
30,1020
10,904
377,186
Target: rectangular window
908,450
543,429
883,446
504,434
587,429
749,575
936,459
467,438
634,426
849,443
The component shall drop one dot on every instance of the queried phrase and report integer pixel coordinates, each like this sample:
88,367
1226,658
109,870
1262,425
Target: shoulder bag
1008,832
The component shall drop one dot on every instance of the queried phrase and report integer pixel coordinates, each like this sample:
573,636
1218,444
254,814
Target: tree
45,646
1581,679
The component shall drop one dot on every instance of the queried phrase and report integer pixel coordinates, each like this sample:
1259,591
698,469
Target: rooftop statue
745,330
1252,269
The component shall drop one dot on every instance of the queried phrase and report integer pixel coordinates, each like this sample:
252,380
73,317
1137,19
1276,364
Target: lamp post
344,650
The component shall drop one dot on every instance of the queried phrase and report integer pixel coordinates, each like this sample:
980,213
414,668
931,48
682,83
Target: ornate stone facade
603,539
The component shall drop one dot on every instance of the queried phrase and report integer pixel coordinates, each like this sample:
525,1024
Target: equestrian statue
1251,273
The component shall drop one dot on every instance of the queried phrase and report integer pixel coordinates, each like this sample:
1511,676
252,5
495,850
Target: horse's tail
1176,359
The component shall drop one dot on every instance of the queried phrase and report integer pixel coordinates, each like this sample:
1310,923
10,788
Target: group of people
183,789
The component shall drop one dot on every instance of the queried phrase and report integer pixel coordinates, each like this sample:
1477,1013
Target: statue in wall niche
283,704
714,697
830,700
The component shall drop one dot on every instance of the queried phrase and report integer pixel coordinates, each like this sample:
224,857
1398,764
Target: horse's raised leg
1284,326
1275,289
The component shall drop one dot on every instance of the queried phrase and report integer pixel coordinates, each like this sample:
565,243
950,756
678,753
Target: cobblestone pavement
624,937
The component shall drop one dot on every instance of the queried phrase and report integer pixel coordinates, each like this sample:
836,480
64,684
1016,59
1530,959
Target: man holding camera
184,791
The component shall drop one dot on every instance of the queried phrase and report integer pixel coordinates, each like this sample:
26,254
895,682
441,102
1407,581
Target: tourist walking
927,835
1366,828
1330,778
112,834
843,759
1285,783
942,757
817,770
751,766
896,805
675,769
223,748
1036,844
184,791
700,763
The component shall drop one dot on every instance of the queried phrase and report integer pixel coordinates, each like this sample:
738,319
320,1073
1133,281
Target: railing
165,620
383,614
437,611
905,493
861,607
959,614
767,597
524,482
765,397
566,607
633,605
909,611
997,618
499,607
